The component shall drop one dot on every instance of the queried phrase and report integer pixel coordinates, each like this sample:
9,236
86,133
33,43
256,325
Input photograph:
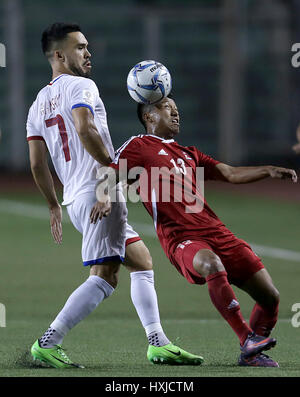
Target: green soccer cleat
55,356
172,355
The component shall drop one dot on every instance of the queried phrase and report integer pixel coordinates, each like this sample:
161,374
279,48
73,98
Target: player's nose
175,112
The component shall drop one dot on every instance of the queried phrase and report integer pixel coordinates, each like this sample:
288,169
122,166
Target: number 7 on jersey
62,132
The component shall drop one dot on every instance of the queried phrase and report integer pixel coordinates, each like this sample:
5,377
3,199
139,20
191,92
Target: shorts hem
132,240
115,258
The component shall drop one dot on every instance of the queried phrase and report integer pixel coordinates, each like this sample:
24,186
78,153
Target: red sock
224,299
263,320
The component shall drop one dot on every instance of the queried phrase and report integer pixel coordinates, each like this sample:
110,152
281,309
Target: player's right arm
296,147
110,176
44,181
89,136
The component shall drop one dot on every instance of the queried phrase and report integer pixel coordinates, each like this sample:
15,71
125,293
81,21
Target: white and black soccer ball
149,82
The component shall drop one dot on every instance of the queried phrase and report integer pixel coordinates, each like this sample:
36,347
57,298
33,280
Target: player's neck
59,71
162,136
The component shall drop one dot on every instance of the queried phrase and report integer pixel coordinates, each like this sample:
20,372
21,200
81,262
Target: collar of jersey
56,78
162,139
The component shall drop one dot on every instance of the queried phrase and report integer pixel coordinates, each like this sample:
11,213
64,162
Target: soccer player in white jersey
68,120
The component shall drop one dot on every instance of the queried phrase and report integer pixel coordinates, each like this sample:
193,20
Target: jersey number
62,132
179,167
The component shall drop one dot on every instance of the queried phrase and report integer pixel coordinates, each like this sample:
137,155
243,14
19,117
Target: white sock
80,303
144,298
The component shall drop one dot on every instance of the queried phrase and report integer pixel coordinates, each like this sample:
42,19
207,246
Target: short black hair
56,32
141,107
140,113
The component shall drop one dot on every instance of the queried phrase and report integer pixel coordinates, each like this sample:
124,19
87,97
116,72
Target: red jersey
172,221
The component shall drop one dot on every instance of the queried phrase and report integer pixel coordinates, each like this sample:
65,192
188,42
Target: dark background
230,61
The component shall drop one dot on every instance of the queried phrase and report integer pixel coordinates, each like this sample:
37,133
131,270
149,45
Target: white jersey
50,119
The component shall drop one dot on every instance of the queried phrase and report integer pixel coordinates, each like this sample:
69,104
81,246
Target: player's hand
100,209
55,223
283,173
296,148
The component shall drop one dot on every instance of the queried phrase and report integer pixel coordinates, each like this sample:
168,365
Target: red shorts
236,255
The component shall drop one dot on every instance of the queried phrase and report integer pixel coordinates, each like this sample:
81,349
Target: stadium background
239,101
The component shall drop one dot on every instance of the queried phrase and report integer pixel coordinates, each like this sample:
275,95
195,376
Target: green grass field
37,276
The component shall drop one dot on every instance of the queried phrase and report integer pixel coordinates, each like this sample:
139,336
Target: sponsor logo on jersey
162,152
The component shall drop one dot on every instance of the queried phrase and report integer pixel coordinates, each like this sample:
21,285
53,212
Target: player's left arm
227,173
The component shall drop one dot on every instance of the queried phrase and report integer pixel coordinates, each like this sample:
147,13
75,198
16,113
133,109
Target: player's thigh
105,240
261,288
137,257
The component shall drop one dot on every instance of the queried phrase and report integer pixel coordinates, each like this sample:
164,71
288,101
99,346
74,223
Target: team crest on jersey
187,156
87,97
184,244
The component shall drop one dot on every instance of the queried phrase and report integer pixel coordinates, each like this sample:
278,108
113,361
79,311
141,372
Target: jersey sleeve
131,152
33,132
84,93
208,163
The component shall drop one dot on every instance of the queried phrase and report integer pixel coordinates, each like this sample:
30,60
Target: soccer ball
149,82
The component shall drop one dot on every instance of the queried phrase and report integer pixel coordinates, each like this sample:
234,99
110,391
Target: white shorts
131,235
105,240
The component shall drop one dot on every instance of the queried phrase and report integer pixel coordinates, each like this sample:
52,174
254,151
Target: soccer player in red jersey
196,242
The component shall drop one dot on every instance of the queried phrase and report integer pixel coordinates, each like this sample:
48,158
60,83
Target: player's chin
86,71
175,129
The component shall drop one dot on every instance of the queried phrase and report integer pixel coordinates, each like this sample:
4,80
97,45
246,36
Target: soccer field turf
37,276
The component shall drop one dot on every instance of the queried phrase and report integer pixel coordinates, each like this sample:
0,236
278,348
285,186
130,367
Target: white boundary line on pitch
40,212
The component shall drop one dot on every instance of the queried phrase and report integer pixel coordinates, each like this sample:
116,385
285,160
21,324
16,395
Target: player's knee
146,263
272,299
138,257
108,272
206,262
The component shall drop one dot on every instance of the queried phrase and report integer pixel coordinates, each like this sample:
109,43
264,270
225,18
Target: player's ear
58,54
149,117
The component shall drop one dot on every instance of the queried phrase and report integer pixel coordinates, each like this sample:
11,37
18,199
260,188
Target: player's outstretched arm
231,174
88,134
296,147
44,181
